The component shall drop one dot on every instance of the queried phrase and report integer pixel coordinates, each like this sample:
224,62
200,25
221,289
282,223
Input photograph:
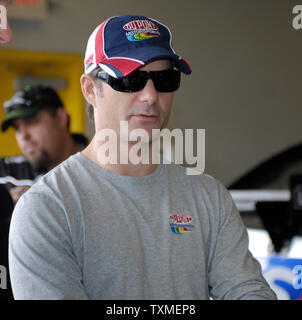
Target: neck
123,165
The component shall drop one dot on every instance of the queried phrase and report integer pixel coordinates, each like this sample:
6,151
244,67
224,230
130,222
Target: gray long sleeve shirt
83,232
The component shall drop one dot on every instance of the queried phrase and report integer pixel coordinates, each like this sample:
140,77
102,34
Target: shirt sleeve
42,261
234,273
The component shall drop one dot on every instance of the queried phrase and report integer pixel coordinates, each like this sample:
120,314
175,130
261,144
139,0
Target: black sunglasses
164,81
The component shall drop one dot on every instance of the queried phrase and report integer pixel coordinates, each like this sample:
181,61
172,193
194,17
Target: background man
42,131
96,230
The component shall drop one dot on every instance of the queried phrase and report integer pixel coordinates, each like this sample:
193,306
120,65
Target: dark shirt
5,215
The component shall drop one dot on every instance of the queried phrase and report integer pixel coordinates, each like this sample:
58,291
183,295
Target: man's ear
88,88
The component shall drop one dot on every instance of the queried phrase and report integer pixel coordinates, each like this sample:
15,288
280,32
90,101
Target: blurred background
245,89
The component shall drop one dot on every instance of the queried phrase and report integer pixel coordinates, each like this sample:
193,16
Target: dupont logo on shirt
181,224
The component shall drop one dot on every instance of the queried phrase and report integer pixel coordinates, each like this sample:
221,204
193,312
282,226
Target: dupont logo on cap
139,30
140,25
121,45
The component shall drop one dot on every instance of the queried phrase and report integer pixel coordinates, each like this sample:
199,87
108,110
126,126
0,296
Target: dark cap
28,101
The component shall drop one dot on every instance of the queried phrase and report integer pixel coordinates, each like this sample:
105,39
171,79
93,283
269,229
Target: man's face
147,109
39,138
5,34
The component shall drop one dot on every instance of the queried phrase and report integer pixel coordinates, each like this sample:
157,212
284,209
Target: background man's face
5,34
147,109
39,137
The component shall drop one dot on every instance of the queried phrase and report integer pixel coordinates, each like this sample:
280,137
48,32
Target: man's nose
149,93
6,34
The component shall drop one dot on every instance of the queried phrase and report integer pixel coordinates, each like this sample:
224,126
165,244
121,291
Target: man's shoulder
58,177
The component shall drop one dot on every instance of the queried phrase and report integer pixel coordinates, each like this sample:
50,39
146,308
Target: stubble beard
40,161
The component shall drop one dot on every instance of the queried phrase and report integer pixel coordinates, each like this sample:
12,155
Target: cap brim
18,114
120,68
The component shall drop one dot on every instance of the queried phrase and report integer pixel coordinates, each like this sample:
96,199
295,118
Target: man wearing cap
92,229
42,133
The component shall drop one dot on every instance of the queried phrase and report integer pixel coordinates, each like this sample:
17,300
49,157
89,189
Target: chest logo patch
181,224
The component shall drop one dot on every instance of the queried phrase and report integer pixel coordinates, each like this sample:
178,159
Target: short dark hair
90,111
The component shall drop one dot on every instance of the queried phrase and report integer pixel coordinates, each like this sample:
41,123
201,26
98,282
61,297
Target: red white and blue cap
120,45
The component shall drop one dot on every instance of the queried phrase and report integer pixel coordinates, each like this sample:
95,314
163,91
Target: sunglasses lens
166,81
135,81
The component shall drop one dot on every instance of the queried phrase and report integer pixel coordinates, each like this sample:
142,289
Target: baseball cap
28,102
120,45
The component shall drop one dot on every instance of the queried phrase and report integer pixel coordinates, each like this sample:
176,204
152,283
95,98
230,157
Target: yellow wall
41,64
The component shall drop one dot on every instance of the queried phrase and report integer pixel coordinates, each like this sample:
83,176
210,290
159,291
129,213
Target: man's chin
38,160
